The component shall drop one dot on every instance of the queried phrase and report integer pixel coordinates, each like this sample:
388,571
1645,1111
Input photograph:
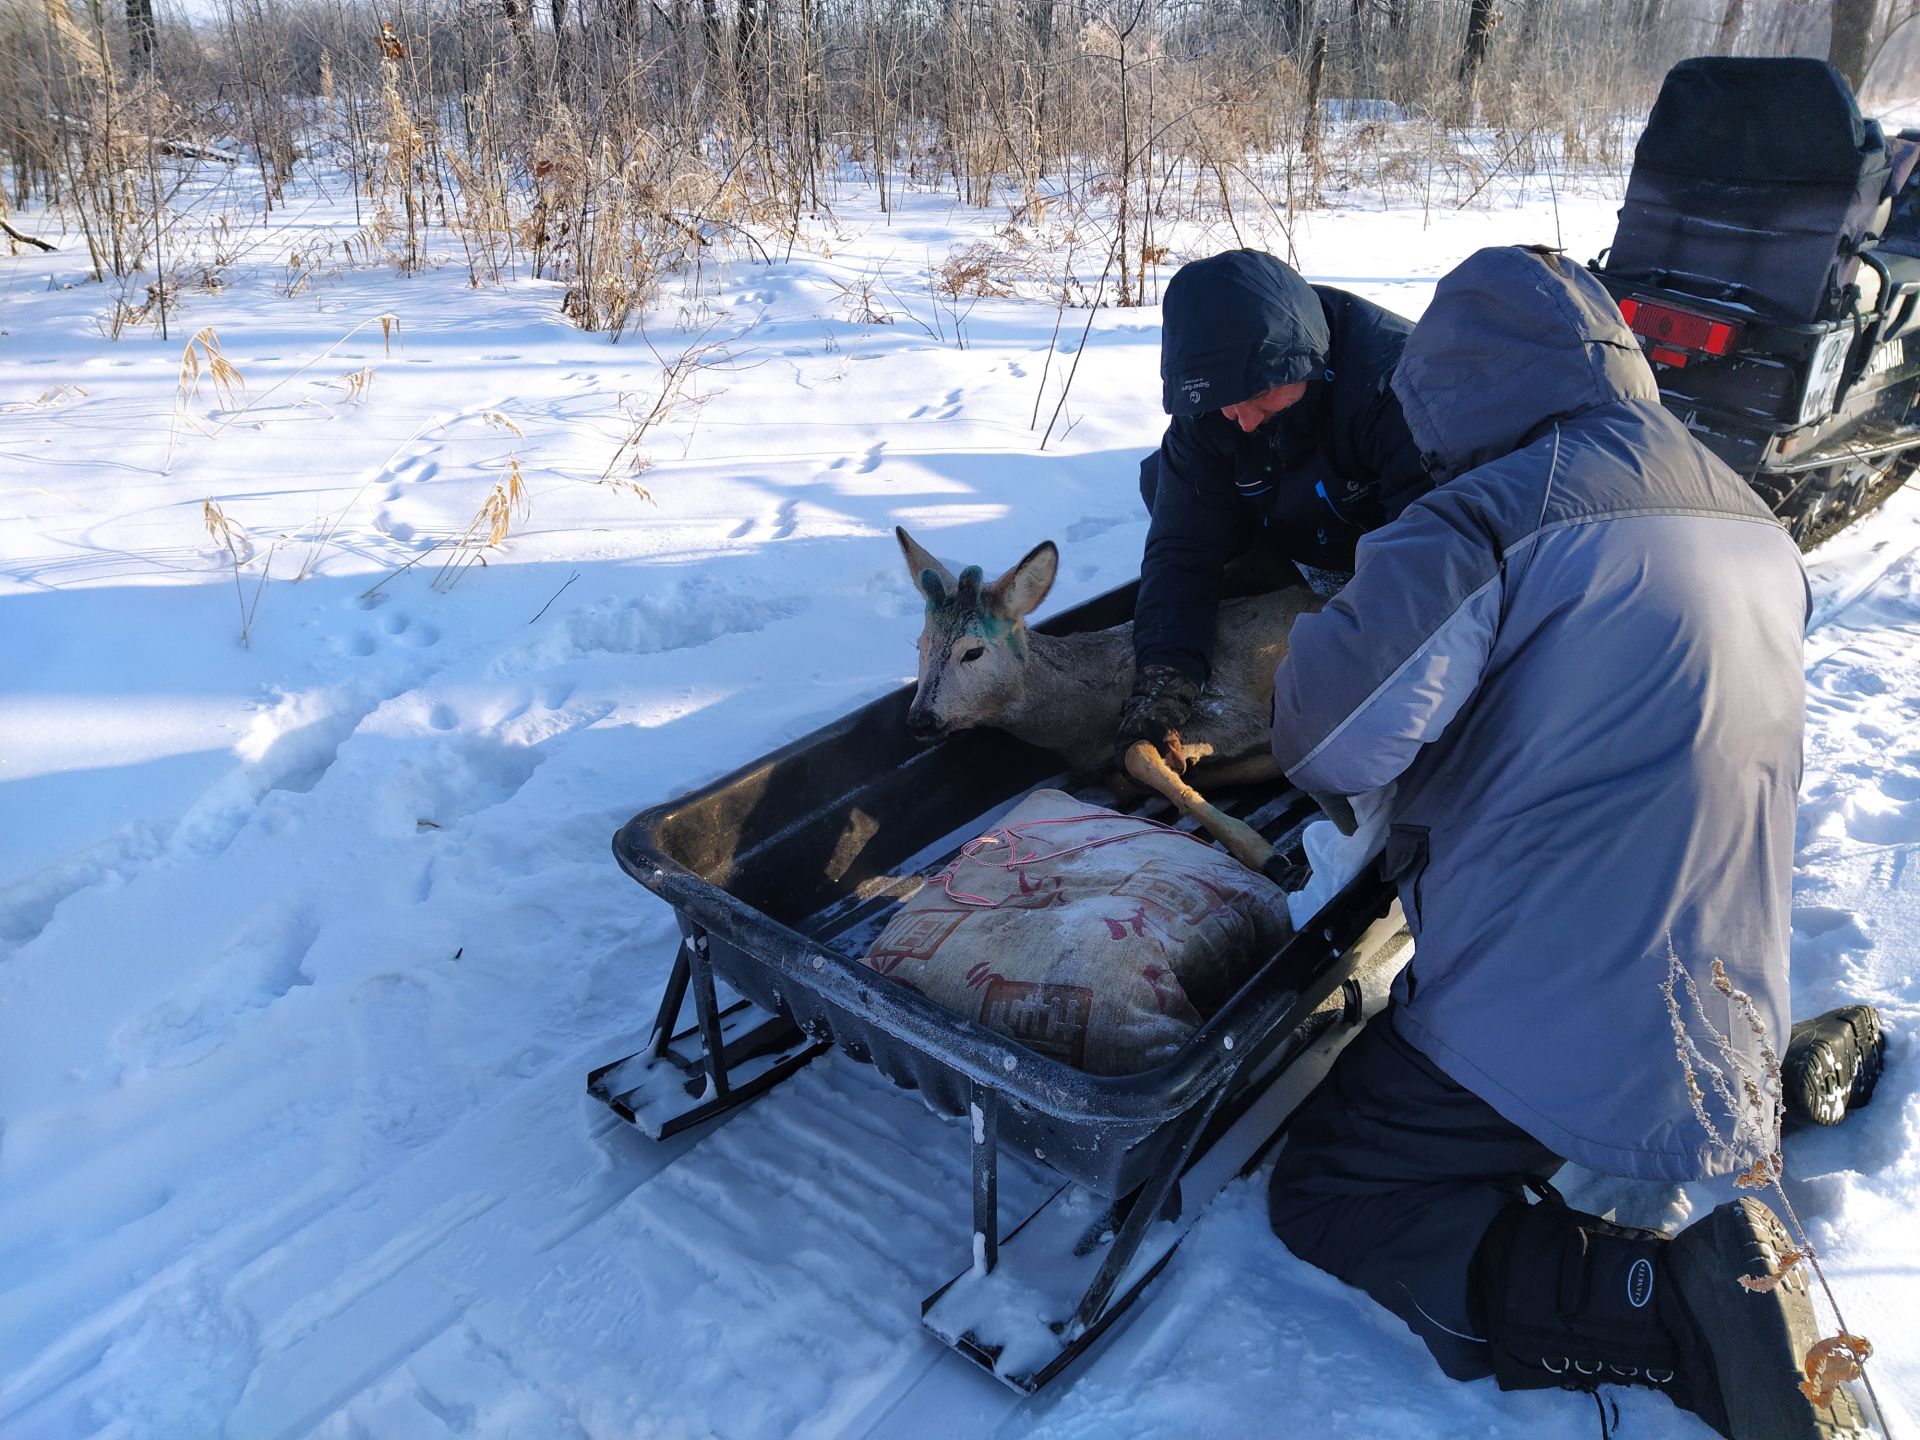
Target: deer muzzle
923,724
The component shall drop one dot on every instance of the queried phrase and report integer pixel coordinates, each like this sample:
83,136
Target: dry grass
201,359
1753,1095
489,528
228,535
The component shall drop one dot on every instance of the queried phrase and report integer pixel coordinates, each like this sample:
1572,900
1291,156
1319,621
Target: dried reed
1753,1097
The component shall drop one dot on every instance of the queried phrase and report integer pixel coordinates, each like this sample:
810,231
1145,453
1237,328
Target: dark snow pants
1389,1177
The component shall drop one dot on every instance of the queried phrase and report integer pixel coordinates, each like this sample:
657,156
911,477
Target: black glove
1161,701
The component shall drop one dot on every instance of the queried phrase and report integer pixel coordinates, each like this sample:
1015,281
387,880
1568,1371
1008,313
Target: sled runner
783,873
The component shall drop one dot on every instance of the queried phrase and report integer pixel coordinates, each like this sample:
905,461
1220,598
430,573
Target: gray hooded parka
1581,658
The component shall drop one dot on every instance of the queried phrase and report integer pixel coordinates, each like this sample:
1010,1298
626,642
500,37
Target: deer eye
973,653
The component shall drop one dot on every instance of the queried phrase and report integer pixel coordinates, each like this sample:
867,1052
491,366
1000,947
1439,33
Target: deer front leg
1243,842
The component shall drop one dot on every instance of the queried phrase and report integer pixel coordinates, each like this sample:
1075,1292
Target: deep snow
306,947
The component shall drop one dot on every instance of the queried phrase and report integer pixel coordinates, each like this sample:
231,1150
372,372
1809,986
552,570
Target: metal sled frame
1131,1240
731,1056
780,875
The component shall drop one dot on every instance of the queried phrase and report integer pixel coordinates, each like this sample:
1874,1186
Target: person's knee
1150,479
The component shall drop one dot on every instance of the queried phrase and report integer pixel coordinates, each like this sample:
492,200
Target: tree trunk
562,52
140,35
520,25
1481,18
1729,32
1316,73
1533,21
1851,41
746,29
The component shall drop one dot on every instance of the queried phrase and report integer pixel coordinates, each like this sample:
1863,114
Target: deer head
973,647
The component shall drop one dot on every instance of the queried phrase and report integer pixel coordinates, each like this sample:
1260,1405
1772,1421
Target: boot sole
1837,1072
1758,1341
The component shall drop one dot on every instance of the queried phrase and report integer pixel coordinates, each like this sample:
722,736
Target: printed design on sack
984,974
914,935
1134,925
1169,994
1640,1283
1051,1019
1192,899
1048,891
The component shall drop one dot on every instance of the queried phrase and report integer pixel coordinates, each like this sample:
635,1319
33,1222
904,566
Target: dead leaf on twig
1831,1363
1766,1284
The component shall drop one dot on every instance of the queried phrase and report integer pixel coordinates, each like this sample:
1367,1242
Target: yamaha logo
1640,1283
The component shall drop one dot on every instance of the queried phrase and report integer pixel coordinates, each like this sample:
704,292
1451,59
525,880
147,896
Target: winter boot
1832,1063
1573,1301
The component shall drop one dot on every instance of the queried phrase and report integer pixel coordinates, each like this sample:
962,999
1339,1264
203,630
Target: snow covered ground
306,947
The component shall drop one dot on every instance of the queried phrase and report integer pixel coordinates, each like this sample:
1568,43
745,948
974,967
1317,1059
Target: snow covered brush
1754,1097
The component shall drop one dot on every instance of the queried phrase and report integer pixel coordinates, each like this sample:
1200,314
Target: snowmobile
1768,257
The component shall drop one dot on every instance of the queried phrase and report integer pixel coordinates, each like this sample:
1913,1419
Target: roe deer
981,665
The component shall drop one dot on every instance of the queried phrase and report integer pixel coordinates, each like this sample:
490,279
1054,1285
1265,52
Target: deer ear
930,577
1021,589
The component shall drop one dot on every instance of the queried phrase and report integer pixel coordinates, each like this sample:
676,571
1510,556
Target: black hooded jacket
1334,465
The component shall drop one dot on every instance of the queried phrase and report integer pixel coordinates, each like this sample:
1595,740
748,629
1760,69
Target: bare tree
519,15
1729,31
1851,41
140,35
1482,16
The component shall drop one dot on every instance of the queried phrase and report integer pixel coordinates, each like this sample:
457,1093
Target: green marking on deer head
973,645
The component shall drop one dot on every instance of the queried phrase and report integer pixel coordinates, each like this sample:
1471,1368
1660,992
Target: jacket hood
1515,338
1233,325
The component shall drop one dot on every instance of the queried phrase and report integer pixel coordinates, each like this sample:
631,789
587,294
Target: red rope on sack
1011,835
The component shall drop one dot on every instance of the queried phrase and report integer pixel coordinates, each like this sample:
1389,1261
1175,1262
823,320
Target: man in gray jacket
1579,657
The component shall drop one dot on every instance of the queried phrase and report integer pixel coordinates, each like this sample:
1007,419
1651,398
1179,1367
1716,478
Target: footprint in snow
695,612
1884,823
1092,525
265,962
1900,786
1823,932
870,462
405,629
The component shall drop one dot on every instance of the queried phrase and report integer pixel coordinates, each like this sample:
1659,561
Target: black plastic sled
782,874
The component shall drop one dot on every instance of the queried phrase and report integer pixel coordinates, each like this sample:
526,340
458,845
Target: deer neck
1074,688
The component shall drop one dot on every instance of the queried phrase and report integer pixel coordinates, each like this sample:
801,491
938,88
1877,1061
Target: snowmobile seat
1756,182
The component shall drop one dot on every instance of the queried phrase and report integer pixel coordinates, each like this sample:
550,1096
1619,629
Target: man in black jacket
1285,435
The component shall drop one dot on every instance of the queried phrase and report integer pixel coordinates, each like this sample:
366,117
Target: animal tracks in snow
949,407
407,631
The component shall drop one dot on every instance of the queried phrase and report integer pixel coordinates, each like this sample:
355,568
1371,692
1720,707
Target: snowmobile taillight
1674,332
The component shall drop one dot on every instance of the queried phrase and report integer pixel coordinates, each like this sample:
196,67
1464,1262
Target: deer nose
921,724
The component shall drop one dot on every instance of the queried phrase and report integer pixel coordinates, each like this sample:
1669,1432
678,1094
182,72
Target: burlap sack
1094,938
